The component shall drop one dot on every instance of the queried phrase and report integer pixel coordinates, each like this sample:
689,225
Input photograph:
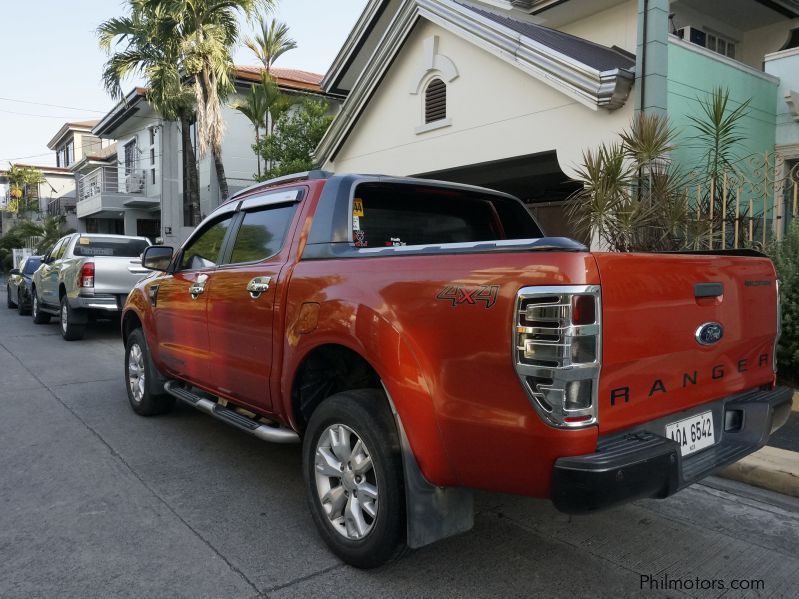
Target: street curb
796,401
770,468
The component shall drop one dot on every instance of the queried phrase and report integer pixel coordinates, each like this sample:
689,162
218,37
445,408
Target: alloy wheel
64,317
346,482
136,379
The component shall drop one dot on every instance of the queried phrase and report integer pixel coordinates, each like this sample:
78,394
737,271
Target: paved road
788,436
98,502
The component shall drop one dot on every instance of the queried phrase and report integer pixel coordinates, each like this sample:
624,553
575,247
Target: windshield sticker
356,223
395,241
84,241
360,239
357,207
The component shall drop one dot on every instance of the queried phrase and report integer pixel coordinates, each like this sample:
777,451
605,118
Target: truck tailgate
653,307
117,276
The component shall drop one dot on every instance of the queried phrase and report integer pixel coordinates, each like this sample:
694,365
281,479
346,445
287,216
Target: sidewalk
776,466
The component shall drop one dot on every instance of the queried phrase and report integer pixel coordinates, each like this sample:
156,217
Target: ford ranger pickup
422,339
86,274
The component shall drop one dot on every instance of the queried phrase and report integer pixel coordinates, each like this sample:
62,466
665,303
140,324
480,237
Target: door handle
198,286
257,286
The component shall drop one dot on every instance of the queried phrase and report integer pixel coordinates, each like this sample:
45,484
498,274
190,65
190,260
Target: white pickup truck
85,273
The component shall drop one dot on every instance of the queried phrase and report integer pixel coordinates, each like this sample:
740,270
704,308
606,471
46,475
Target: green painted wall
693,75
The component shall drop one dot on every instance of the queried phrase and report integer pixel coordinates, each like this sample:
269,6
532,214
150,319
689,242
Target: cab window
203,251
53,253
262,233
63,248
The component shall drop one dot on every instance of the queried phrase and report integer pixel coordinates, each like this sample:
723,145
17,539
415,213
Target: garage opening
536,179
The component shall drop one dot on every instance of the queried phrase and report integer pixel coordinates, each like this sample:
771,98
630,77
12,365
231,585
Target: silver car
84,273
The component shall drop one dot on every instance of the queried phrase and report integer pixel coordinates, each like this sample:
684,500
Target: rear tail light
557,351
87,275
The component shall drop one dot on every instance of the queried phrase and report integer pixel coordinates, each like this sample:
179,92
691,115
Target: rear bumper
104,302
644,463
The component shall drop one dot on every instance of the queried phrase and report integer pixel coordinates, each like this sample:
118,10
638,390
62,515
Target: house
73,144
508,93
141,191
56,189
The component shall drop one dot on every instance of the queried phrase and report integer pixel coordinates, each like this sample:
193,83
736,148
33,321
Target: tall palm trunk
258,145
220,176
191,183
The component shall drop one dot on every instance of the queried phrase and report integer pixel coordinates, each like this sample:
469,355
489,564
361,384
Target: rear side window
109,246
31,265
386,214
262,233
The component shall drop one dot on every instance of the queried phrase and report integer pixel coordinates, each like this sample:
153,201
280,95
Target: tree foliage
270,43
47,232
22,180
183,49
297,133
634,198
631,198
785,255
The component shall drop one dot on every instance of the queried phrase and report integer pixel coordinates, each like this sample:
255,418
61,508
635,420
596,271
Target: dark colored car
18,288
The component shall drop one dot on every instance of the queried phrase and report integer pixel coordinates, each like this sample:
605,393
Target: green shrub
786,258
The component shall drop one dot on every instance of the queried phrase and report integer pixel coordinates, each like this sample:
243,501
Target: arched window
435,101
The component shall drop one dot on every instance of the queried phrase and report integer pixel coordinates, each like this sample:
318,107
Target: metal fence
747,206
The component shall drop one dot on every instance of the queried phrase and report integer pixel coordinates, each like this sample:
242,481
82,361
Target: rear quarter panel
445,359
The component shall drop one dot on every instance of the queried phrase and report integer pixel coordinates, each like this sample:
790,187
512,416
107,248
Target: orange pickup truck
422,339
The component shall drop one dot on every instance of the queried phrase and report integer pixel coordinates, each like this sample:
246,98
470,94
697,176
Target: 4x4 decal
458,294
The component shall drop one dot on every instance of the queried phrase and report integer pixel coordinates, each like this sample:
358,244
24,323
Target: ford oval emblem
709,333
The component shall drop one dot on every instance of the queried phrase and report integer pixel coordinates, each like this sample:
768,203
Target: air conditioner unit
134,183
693,35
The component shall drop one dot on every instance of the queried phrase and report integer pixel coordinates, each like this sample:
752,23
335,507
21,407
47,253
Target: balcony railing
59,206
111,179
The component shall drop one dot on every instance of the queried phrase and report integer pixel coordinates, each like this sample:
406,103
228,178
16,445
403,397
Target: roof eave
119,113
351,45
591,87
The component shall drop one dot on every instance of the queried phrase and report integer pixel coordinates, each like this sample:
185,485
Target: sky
49,55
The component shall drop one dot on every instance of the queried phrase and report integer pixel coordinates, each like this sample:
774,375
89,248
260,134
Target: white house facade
472,93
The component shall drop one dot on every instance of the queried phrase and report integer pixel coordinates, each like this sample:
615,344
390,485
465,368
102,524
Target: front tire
354,478
9,304
70,329
139,371
38,316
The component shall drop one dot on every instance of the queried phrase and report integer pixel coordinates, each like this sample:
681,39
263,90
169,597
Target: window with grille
435,101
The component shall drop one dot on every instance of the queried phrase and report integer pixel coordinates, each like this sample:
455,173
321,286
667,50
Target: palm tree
192,40
150,47
254,107
208,30
271,43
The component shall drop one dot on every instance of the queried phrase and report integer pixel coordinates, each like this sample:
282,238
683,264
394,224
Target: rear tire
70,330
139,371
21,306
9,304
354,479
38,316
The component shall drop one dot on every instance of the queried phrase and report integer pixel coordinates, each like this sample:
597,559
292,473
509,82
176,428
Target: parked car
18,286
85,274
425,338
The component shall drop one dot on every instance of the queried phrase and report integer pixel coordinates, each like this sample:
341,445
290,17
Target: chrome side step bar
265,432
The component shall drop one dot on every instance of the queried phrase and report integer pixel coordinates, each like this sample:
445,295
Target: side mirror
14,271
157,257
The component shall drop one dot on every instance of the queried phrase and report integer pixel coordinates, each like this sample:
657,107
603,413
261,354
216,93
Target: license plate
692,433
